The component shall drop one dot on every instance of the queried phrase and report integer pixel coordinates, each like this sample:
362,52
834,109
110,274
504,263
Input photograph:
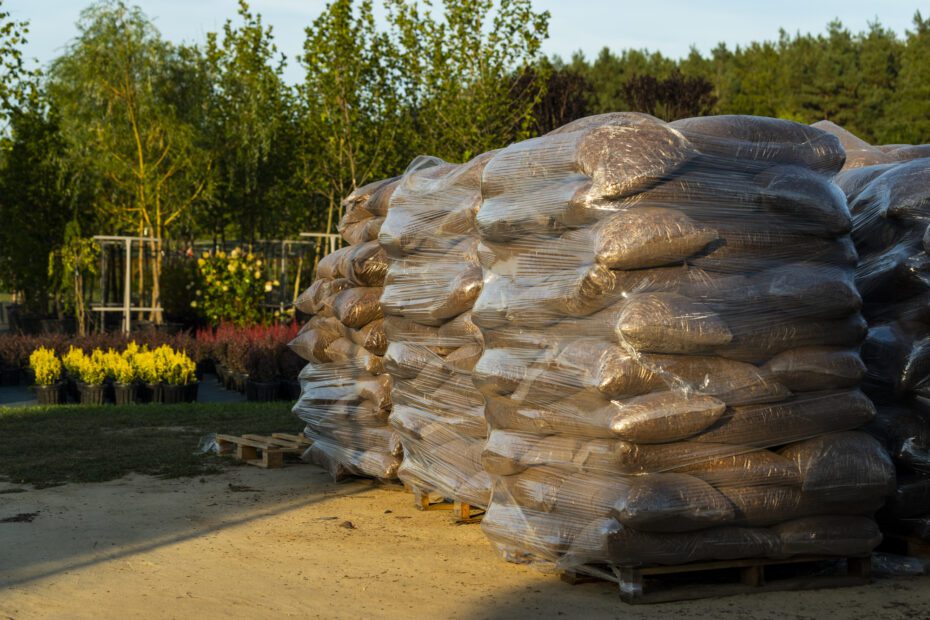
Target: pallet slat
643,585
462,512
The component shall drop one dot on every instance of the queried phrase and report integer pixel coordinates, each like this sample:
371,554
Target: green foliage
67,267
249,118
231,287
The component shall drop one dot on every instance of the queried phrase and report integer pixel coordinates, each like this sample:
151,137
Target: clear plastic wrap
432,282
891,211
671,327
345,394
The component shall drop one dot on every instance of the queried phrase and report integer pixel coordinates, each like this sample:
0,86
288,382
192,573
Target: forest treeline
127,132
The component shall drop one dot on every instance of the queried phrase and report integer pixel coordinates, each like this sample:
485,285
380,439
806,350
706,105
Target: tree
142,158
671,98
248,119
458,72
909,115
36,201
349,105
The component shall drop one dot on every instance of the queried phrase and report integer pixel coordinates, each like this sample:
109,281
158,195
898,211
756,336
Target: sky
667,26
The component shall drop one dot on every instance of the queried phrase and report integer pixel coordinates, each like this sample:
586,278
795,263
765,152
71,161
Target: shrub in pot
262,369
124,379
47,368
179,373
146,367
91,374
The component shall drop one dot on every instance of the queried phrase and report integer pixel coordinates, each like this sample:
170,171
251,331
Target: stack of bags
890,204
860,154
671,331
433,280
345,393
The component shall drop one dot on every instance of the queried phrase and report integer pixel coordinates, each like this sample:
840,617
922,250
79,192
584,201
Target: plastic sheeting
890,204
432,282
671,328
345,393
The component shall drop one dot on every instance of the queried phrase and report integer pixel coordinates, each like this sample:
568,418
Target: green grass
44,446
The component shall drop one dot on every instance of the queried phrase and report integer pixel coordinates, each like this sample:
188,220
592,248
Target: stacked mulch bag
345,393
890,204
671,332
433,280
860,154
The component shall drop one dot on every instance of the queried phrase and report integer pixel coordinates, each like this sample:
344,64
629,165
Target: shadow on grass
44,446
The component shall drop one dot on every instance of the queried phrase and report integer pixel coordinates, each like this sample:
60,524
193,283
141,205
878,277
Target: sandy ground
276,544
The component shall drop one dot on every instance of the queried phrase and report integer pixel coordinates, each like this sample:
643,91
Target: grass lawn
44,446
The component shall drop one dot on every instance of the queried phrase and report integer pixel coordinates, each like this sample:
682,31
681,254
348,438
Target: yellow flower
257,274
201,262
268,287
193,304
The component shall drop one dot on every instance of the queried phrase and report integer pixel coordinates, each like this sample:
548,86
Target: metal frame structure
126,308
331,239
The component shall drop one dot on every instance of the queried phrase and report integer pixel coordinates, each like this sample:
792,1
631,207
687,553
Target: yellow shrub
46,365
72,361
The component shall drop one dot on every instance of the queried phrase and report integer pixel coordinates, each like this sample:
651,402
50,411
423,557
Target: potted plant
180,374
124,379
71,362
262,369
47,368
91,374
147,371
289,364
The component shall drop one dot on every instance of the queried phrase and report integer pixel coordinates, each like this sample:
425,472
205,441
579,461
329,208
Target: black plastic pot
173,394
49,394
155,392
9,375
261,391
125,393
91,394
238,381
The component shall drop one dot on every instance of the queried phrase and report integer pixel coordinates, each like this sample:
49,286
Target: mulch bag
757,140
812,369
671,503
357,307
833,534
630,546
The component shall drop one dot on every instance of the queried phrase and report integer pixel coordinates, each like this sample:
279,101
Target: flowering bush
231,287
46,365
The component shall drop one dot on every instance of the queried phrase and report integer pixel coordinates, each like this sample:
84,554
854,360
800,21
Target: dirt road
251,543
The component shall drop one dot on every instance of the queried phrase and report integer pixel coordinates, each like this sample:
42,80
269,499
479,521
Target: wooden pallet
462,512
661,584
905,545
261,450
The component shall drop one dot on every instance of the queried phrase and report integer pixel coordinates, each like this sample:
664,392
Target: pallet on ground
660,584
262,450
462,512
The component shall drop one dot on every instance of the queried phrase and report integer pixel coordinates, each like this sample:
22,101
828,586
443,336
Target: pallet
261,450
661,584
462,512
905,545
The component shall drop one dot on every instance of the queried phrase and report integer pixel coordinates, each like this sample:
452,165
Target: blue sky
668,26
